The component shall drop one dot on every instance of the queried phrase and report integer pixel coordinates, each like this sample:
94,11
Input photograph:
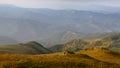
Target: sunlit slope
59,60
111,42
103,54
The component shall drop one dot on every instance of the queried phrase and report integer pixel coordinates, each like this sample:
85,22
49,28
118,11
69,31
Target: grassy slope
23,49
14,48
59,60
57,48
104,55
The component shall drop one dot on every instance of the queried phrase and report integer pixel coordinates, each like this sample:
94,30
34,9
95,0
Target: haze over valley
59,33
28,24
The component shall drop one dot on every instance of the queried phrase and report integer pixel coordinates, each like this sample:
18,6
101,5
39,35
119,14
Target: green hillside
27,48
56,48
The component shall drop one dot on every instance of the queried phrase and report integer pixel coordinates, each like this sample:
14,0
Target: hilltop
31,47
109,41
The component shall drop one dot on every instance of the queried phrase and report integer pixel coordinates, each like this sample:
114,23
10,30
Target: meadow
55,60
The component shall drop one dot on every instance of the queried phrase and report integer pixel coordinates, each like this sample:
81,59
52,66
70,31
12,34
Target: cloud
62,3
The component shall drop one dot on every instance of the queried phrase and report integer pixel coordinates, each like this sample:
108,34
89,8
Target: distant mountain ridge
26,24
111,42
66,36
7,40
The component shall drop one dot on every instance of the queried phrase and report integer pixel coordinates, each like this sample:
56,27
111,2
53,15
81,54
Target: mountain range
27,24
110,42
7,40
59,38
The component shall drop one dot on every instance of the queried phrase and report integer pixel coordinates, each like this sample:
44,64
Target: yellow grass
56,60
103,55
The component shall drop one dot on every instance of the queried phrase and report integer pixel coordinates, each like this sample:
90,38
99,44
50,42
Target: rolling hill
68,35
109,41
27,48
56,48
104,55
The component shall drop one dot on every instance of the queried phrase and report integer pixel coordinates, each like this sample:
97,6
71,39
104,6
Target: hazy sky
63,4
